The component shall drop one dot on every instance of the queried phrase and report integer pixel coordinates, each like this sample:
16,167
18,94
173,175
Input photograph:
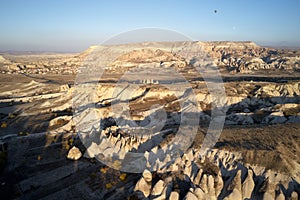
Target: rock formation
255,157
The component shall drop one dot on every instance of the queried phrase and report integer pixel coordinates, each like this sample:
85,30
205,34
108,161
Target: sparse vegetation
93,175
3,125
209,167
67,147
108,185
123,176
60,122
291,111
104,169
11,115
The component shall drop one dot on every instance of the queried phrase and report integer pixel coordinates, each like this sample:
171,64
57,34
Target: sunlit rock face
74,153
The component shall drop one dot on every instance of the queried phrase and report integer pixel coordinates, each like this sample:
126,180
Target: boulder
239,118
74,153
143,186
280,197
158,188
147,175
275,118
174,196
294,196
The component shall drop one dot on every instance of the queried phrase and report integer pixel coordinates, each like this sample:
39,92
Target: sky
73,25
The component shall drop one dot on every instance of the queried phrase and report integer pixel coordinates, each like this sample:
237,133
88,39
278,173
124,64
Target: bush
103,170
3,125
123,177
11,115
108,185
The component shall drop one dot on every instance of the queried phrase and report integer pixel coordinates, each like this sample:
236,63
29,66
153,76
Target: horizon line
261,44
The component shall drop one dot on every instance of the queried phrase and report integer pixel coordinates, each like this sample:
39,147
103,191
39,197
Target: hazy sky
72,25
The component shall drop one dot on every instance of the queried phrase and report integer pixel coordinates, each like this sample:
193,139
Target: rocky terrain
233,57
248,57
44,153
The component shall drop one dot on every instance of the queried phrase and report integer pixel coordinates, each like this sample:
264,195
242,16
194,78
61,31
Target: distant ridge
282,47
11,52
167,43
241,44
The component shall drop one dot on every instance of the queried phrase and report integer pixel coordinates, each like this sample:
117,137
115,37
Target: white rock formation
248,185
236,187
158,188
190,196
174,196
144,184
147,175
74,153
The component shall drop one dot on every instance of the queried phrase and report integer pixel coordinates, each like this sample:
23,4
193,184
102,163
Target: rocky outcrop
248,57
233,182
74,153
248,185
235,57
38,122
144,184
